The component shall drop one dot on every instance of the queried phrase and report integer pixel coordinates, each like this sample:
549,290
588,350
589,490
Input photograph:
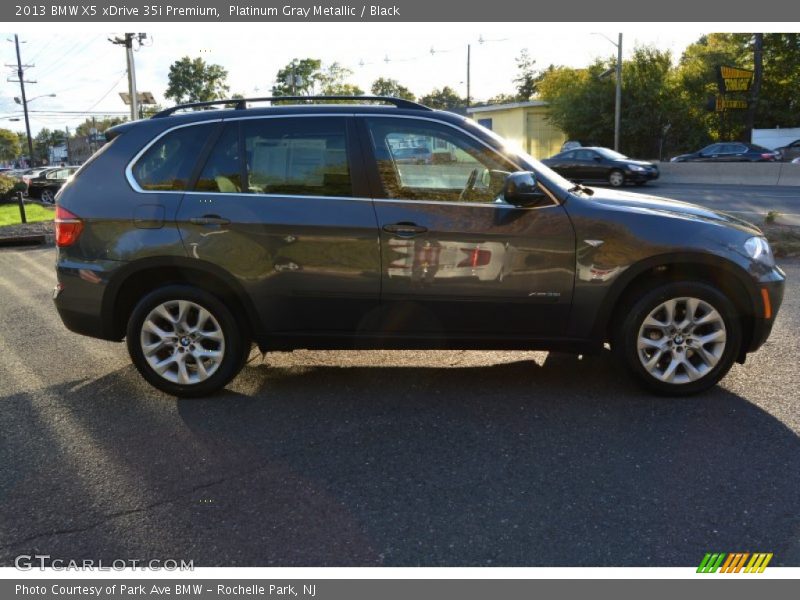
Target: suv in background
296,226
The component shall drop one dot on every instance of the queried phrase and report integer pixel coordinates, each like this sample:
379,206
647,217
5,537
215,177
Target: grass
9,214
784,240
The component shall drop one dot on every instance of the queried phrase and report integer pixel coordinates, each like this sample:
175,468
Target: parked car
193,234
595,164
417,155
46,184
796,161
790,151
730,152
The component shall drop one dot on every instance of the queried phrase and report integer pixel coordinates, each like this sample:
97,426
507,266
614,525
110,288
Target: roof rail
241,103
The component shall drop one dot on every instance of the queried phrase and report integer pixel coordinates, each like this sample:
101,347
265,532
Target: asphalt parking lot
387,458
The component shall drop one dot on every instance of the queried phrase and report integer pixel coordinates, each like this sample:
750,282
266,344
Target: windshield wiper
581,188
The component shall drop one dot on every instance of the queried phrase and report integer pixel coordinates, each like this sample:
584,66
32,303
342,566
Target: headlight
636,168
758,249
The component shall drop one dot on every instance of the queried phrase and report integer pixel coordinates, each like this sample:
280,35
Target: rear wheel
681,338
47,196
185,342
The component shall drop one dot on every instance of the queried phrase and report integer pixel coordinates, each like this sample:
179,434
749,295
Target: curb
24,240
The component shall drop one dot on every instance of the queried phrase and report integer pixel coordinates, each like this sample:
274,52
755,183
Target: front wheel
616,178
679,339
185,342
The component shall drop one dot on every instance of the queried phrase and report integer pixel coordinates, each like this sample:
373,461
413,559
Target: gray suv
196,233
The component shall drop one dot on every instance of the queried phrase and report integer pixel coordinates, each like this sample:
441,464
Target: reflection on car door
278,205
456,259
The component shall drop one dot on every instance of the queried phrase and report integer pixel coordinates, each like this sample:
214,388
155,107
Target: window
167,165
712,149
297,156
223,169
422,160
485,123
584,155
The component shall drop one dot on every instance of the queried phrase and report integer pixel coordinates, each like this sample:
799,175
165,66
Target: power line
111,89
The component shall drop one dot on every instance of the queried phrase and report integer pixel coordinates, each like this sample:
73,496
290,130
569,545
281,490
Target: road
751,202
387,458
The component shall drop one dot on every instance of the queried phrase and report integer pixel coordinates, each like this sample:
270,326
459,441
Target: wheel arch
723,274
137,279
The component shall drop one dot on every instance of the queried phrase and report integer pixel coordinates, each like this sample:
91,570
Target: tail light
768,156
68,227
475,257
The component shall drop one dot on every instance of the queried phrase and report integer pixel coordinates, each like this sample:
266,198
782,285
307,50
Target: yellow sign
734,79
729,104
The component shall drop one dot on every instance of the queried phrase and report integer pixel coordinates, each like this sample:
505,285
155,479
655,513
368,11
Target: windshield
529,162
612,154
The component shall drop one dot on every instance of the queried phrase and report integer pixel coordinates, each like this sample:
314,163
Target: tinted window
297,156
712,149
223,169
168,164
566,155
455,160
584,155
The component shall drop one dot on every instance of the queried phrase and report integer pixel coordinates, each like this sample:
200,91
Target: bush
9,186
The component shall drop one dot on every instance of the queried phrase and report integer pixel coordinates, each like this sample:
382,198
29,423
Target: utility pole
618,99
127,41
21,79
758,70
469,71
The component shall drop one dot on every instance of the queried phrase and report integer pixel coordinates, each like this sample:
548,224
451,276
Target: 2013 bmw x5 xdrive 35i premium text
194,234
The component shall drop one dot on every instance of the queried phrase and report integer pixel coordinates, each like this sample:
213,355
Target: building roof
494,107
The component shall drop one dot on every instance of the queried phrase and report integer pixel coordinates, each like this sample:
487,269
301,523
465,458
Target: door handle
209,220
406,230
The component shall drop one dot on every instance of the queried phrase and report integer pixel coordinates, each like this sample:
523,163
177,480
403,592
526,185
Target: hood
669,208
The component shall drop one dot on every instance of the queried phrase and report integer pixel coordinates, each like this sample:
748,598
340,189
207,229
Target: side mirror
520,189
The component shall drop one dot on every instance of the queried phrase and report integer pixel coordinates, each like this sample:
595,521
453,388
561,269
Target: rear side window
167,165
223,170
297,156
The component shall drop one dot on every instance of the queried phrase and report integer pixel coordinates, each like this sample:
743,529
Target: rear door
456,260
281,204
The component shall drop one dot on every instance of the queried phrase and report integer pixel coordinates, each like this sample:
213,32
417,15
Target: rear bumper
78,298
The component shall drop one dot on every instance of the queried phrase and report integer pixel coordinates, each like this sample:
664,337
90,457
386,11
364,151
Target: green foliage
307,77
391,87
192,80
527,79
443,99
10,147
6,185
305,74
100,125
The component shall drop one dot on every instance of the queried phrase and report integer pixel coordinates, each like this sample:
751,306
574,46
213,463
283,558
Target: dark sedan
790,151
47,183
730,152
601,164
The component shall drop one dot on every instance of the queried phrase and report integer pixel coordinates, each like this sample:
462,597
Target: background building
524,124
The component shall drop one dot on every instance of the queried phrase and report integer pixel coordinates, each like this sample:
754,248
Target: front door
456,260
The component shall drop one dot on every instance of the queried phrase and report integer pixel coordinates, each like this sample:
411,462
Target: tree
333,82
10,148
192,80
100,125
391,87
298,78
527,79
503,99
43,141
443,99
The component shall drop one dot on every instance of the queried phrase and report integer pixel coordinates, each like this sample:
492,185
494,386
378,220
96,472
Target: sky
87,72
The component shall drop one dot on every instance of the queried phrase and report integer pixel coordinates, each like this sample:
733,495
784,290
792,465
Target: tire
669,356
47,196
194,338
616,178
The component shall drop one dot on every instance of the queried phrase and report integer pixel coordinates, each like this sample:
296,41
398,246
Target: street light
29,100
618,99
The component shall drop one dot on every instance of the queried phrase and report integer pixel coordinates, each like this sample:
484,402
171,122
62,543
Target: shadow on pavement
512,464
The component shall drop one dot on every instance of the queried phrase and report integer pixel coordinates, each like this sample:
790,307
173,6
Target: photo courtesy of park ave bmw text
296,293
